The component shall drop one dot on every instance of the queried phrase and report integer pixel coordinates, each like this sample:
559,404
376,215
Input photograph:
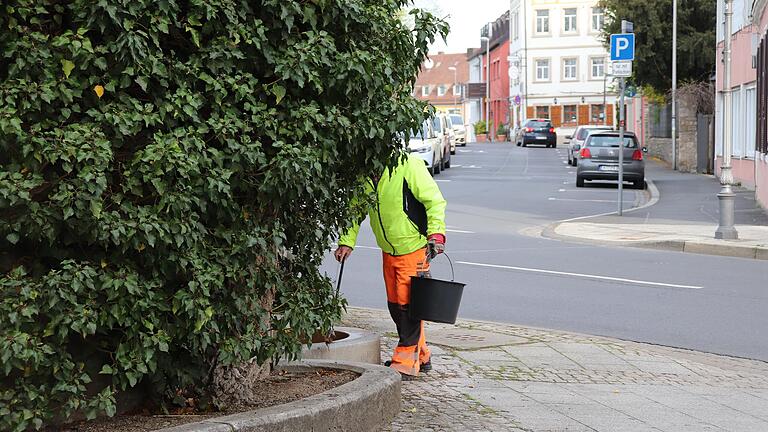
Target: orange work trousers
411,350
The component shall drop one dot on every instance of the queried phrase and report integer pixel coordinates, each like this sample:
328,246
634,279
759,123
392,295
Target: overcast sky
466,17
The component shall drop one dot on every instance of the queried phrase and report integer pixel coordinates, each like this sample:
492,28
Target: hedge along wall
171,174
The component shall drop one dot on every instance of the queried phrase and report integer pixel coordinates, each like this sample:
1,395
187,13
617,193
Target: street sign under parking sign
622,68
622,47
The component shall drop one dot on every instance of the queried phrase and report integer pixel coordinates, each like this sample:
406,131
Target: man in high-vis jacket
408,220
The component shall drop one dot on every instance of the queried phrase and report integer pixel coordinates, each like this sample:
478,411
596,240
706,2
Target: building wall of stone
687,124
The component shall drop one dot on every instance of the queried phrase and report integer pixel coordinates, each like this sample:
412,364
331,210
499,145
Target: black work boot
426,367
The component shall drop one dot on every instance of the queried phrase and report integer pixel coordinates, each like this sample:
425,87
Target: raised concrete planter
358,346
366,404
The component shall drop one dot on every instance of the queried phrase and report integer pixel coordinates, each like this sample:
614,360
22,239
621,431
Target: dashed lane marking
580,200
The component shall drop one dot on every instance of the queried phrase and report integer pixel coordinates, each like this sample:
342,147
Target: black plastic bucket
434,299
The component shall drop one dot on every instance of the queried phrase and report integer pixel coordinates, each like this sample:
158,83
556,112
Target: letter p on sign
622,47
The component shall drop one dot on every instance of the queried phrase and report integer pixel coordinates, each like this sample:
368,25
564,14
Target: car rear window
538,124
610,141
583,132
457,120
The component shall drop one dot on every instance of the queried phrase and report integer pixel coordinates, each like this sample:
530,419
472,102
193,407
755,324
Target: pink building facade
749,61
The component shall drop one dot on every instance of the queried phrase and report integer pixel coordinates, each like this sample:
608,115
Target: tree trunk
234,385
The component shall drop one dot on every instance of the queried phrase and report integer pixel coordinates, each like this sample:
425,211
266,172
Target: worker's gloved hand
342,253
435,245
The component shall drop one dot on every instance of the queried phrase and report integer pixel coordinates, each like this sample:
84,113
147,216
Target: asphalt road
500,195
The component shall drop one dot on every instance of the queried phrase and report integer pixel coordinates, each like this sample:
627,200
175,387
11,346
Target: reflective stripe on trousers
411,350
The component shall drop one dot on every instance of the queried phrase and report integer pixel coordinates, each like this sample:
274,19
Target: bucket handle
450,261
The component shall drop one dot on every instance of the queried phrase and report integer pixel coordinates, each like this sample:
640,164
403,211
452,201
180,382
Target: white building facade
558,63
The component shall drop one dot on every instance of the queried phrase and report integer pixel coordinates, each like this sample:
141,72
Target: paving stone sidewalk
500,377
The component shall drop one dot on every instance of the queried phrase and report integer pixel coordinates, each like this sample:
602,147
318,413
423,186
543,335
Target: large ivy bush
171,173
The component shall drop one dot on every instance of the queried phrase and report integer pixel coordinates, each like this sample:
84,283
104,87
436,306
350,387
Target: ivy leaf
101,63
106,370
142,82
67,67
13,238
279,92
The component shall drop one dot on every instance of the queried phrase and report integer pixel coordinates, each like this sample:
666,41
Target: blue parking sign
622,47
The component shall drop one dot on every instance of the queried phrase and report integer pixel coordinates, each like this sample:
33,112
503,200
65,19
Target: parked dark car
599,159
537,131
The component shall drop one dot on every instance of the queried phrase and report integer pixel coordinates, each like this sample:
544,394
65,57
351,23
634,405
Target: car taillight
637,155
551,130
529,129
585,153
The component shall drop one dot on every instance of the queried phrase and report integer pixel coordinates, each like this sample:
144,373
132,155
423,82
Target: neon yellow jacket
409,207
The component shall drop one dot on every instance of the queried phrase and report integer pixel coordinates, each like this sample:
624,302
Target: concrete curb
360,346
689,246
367,403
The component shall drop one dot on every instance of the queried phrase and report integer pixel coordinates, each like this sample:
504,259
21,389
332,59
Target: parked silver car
578,138
426,145
459,129
599,159
441,126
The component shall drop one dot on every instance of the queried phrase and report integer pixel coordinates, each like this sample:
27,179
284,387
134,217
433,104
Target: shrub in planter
480,130
501,132
171,175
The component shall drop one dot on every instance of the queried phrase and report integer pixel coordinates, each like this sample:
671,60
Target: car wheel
639,184
453,151
579,181
575,162
448,162
524,144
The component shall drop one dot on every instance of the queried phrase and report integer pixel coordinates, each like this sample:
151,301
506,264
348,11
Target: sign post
622,54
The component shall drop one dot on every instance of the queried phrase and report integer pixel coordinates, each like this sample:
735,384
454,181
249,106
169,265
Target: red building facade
498,61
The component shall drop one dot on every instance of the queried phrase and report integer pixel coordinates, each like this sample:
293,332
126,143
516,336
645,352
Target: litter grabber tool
331,332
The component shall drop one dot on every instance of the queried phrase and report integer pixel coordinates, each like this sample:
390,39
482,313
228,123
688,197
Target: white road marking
459,231
456,166
367,247
581,200
581,275
561,190
442,181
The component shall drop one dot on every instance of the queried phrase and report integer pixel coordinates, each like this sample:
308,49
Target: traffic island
369,402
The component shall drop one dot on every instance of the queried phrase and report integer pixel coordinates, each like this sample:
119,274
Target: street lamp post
453,68
674,84
487,80
726,197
